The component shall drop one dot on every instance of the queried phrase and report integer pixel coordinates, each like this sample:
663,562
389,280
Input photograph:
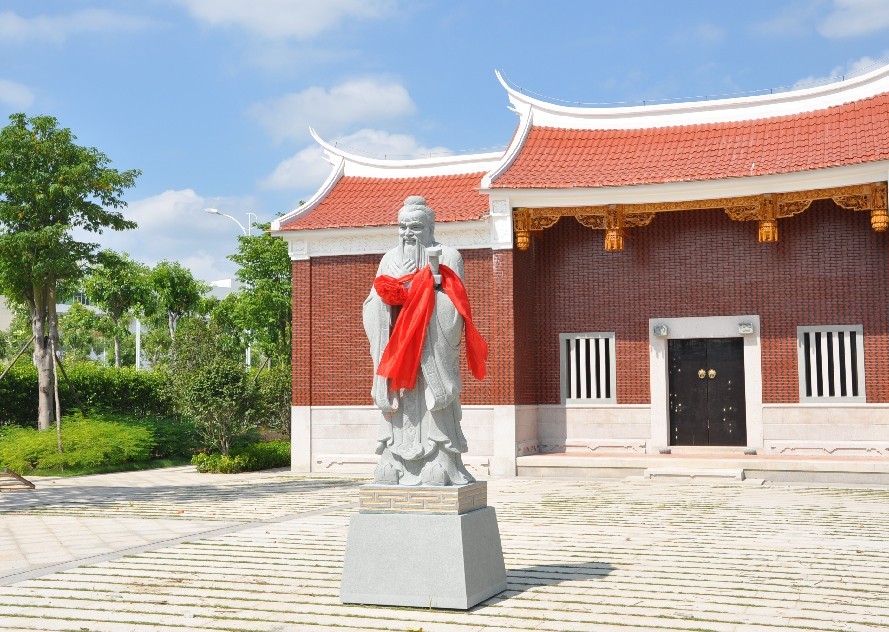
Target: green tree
80,332
48,186
19,331
264,303
174,293
211,387
117,285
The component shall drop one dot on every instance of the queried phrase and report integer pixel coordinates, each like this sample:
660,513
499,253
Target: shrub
210,385
85,444
170,436
256,456
218,463
272,403
173,437
264,456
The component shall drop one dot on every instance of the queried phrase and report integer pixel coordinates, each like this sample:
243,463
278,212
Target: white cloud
174,226
853,68
307,169
58,28
301,19
15,95
855,17
333,111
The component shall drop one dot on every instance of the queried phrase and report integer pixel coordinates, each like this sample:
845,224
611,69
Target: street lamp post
246,232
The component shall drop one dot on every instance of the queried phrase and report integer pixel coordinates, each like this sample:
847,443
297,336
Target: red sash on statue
401,358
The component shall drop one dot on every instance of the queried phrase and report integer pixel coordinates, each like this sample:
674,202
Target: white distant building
223,287
5,315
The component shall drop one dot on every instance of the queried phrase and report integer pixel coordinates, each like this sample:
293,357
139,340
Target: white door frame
660,330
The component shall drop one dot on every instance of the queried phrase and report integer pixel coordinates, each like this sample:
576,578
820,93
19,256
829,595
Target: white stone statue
420,439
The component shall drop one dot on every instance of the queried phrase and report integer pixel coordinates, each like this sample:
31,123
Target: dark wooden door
706,384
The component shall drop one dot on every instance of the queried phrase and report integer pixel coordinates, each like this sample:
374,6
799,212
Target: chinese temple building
707,276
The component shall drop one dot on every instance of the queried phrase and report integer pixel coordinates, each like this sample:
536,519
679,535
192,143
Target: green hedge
256,456
18,395
125,390
100,388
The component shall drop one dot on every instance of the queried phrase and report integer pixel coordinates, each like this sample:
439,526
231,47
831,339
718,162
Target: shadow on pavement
523,579
215,496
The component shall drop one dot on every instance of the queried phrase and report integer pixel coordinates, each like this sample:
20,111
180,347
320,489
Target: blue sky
212,99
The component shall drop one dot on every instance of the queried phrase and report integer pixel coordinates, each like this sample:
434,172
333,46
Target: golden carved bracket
613,219
767,209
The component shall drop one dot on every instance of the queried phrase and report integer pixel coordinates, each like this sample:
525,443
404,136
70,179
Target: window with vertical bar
831,363
588,368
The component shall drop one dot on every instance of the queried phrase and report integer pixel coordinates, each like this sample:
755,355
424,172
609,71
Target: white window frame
612,368
834,353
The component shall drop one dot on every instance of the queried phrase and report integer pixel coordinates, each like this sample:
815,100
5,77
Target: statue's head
416,223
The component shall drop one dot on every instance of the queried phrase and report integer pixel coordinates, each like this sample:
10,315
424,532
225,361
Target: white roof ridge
452,164
733,109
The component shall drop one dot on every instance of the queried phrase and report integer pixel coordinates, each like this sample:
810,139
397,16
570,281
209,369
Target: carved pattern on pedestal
441,500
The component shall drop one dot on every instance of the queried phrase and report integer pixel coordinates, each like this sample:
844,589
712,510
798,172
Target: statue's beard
414,255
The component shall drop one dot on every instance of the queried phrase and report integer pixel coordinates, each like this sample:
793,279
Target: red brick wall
829,267
526,336
500,330
332,364
302,340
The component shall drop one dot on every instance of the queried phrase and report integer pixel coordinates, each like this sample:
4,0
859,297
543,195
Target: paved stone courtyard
175,550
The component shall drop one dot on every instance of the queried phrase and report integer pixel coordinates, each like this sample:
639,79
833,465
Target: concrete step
708,474
775,469
707,450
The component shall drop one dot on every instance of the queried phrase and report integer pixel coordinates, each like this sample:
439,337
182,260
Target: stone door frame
660,330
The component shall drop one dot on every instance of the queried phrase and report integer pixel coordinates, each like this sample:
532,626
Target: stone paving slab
580,555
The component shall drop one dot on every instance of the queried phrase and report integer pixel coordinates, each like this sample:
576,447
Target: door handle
711,373
702,374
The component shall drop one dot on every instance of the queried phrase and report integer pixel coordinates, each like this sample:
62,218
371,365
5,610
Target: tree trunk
42,359
116,350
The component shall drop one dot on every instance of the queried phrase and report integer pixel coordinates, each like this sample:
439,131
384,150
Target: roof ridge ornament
694,112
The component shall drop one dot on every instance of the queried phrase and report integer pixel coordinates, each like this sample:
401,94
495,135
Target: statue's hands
389,404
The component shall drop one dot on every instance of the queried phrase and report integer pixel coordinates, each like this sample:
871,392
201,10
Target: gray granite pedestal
415,547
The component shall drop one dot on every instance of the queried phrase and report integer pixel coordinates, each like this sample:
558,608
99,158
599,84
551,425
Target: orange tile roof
365,201
852,133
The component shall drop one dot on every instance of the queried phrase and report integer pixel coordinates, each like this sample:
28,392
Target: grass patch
103,443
